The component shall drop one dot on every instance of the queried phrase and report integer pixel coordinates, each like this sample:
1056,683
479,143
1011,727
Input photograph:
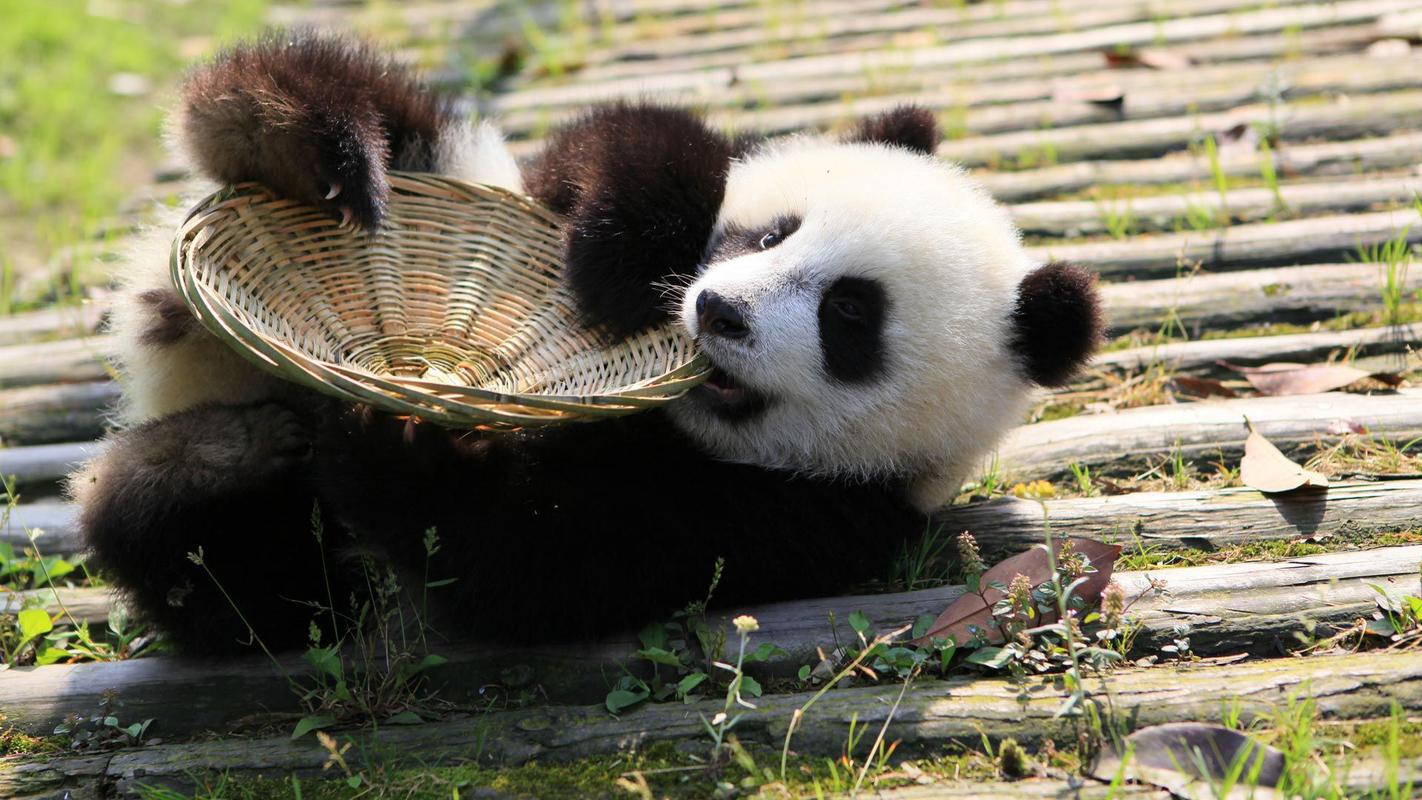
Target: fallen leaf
1268,470
1288,378
1190,759
1150,59
973,611
1202,387
1103,94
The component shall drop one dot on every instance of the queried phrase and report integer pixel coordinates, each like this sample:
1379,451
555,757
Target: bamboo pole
1329,238
57,413
932,715
1232,608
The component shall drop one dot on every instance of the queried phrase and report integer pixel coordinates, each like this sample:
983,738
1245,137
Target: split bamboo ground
1236,172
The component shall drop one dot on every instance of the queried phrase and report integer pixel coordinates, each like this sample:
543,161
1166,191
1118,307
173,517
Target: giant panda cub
874,322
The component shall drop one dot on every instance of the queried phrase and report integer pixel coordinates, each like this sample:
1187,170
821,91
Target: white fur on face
949,260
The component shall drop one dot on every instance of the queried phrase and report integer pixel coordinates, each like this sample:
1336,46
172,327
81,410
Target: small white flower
719,718
745,624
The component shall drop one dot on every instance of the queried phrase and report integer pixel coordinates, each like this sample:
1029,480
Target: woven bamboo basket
454,311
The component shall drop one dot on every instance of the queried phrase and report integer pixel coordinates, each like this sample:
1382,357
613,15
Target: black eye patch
852,314
739,240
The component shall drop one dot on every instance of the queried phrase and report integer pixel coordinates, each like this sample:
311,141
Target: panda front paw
318,119
241,443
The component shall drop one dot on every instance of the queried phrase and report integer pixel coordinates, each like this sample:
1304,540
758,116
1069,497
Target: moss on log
933,714
1253,608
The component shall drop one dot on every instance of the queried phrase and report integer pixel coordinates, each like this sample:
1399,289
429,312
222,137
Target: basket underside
454,311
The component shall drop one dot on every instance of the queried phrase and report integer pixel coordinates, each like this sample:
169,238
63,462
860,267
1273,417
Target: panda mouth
726,397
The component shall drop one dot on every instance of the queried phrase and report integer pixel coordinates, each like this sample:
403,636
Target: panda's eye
778,231
847,307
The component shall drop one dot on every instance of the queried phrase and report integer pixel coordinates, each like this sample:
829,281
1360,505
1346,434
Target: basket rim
454,405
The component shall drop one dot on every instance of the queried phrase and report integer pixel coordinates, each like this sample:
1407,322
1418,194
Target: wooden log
56,520
982,83
82,604
1075,218
1126,438
1126,441
1231,608
795,105
60,413
1347,118
987,49
1234,299
932,715
1178,94
1396,151
50,323
43,463
1329,238
841,28
1208,519
62,361
1203,356
1293,294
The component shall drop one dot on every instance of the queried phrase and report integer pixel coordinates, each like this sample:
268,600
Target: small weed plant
374,671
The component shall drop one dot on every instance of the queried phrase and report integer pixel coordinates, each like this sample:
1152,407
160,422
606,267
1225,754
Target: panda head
870,311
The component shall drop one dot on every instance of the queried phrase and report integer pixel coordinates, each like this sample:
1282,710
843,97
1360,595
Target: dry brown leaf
1106,94
1202,387
1150,59
1268,470
1287,378
975,611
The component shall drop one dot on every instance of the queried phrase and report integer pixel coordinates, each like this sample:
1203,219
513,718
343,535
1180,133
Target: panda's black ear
910,126
641,185
1057,324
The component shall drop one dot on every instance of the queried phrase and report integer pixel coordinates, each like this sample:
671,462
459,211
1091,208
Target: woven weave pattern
453,311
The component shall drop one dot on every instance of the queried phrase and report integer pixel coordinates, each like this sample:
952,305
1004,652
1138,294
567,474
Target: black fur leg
1058,322
228,481
642,185
909,126
317,118
587,529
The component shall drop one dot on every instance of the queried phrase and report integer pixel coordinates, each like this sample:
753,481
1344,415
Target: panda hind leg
203,520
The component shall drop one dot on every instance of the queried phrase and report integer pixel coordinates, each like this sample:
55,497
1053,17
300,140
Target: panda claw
333,191
347,217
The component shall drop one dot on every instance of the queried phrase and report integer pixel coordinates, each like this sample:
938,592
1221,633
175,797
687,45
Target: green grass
81,89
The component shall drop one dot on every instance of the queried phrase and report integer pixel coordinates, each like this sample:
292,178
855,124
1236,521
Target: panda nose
716,315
